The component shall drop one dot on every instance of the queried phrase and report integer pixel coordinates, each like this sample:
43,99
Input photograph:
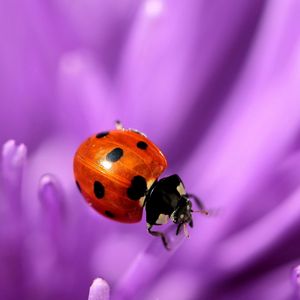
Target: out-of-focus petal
147,266
53,203
32,39
270,233
296,281
87,101
12,166
36,36
174,285
191,64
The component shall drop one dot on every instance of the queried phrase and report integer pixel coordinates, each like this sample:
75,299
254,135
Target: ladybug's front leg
160,234
178,228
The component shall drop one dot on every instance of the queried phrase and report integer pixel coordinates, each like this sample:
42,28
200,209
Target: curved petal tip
296,276
99,290
13,160
13,155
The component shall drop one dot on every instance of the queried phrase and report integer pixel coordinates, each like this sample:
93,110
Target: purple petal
273,228
13,161
86,95
147,265
296,280
52,198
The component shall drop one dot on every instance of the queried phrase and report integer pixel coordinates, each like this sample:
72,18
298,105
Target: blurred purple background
215,84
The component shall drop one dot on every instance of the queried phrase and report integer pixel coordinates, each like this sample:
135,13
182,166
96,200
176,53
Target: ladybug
117,173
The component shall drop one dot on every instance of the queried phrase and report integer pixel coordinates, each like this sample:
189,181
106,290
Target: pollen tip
13,159
51,196
296,275
49,188
20,155
99,290
8,148
47,180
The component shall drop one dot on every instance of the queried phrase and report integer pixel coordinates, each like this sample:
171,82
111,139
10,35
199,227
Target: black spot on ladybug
138,188
102,134
114,155
98,189
109,214
78,186
142,145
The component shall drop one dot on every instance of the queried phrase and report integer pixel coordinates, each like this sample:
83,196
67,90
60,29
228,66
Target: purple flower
214,84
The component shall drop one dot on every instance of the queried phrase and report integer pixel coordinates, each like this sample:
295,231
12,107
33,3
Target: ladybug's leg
191,223
160,234
199,204
178,228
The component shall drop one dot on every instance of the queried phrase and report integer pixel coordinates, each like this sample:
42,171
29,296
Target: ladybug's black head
167,199
183,212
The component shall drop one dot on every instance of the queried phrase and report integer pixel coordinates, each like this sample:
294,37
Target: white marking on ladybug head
162,219
180,189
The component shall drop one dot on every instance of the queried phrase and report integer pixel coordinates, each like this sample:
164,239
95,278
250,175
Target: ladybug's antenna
119,125
199,203
201,211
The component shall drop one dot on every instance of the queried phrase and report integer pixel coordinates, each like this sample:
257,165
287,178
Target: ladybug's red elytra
117,173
